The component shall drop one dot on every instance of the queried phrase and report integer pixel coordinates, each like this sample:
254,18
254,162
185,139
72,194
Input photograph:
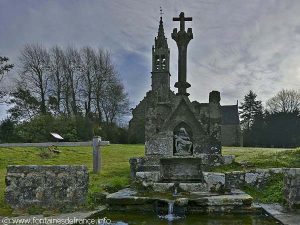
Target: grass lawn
115,169
261,158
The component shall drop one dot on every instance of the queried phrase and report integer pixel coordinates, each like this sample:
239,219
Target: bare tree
71,64
284,101
68,81
34,64
115,101
88,68
56,78
103,72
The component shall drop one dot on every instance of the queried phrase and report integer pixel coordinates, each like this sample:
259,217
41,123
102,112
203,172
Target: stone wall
46,186
257,178
136,131
214,182
291,188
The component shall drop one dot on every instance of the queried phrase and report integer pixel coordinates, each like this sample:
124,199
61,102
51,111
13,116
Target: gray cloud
238,45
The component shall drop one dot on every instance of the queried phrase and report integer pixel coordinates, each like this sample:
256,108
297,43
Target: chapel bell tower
160,61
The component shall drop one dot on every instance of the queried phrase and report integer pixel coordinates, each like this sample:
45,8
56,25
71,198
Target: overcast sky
238,45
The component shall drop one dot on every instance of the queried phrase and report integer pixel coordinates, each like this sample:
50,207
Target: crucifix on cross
182,20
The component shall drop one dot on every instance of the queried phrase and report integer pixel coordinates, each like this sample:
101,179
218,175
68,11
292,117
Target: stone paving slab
279,213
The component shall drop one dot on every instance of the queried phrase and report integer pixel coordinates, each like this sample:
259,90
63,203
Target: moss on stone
270,193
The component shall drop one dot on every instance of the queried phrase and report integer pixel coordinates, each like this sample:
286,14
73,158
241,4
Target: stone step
128,199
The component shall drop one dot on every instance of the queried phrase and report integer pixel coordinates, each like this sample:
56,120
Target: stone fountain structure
182,142
182,138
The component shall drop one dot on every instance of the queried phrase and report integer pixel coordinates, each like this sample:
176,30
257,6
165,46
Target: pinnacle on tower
161,40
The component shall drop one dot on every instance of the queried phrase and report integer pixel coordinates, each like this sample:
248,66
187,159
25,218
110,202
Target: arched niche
183,140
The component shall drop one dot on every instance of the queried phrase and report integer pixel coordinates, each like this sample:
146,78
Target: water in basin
138,218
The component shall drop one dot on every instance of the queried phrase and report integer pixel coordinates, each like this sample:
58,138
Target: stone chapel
162,113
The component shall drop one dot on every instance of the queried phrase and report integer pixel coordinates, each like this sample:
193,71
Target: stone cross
182,39
97,158
161,12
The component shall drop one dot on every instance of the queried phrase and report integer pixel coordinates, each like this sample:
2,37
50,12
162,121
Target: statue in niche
183,143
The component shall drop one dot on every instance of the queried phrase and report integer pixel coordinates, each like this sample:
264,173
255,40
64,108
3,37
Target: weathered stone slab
193,187
163,187
237,199
211,160
161,145
135,165
234,179
181,169
228,159
46,186
215,181
148,176
257,178
126,196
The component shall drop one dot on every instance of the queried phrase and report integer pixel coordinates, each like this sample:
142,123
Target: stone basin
130,200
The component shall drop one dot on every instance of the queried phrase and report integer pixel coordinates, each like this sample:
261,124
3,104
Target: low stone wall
214,182
46,186
256,178
291,188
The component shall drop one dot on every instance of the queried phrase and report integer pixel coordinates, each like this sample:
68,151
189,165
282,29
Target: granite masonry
291,190
256,178
46,186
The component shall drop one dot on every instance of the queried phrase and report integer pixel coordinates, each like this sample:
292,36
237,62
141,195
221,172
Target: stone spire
160,50
161,40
